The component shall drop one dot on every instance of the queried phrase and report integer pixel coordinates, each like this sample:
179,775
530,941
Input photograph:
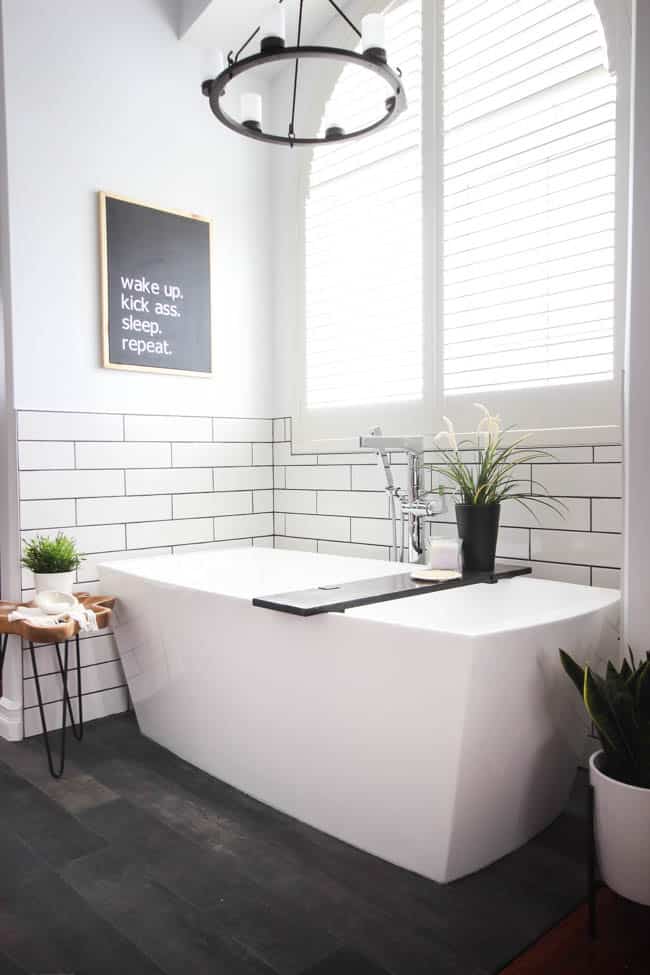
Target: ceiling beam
191,11
215,24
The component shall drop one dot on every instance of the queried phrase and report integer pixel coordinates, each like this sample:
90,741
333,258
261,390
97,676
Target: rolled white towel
36,617
85,618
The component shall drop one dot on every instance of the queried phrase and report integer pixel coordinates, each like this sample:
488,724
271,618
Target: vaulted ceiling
226,24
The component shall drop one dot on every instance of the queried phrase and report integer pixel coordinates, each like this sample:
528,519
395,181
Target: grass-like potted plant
484,472
618,704
53,562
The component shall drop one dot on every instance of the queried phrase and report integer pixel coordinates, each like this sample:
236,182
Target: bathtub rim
612,600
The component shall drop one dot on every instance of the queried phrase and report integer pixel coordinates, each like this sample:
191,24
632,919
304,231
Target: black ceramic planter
478,526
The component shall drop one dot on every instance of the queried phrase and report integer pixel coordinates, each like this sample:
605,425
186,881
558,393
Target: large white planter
622,828
55,581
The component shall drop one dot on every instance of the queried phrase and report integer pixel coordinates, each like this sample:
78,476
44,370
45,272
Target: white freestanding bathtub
437,731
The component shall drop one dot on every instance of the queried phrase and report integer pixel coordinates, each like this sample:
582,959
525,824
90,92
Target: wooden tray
101,606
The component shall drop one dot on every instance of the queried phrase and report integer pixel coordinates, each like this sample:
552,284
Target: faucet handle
435,502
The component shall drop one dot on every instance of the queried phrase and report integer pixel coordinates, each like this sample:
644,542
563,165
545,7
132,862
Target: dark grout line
56,673
103,690
579,565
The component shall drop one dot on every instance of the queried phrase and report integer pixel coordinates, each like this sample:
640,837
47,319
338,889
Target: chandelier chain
345,18
292,123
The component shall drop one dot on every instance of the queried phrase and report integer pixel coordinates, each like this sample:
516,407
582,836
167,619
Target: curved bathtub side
524,730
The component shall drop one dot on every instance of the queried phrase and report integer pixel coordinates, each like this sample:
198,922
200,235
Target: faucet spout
376,441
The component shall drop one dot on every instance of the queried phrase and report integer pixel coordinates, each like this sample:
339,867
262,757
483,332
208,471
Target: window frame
540,412
335,427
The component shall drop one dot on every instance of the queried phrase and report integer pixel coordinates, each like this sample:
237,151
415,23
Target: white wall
637,400
10,715
102,95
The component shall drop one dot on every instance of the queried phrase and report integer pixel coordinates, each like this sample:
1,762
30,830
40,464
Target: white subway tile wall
38,455
127,486
119,456
168,429
336,503
211,455
70,426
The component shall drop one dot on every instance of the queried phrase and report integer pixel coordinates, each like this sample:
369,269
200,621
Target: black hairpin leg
3,654
591,864
79,694
77,727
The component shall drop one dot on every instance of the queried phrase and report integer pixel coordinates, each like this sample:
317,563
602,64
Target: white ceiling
226,24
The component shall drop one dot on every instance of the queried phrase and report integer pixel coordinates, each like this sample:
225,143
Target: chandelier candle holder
333,132
251,111
274,31
373,37
272,35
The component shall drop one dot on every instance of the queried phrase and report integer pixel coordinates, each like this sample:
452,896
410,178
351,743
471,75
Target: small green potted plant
483,470
618,705
53,562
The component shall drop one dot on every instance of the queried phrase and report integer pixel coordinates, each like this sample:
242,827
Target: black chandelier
273,47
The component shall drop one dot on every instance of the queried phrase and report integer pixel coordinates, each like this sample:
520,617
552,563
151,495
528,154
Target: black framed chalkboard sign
156,303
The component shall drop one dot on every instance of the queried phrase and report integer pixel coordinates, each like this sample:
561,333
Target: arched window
363,242
475,249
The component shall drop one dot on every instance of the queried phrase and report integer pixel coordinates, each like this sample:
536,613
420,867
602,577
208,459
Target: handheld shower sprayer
383,460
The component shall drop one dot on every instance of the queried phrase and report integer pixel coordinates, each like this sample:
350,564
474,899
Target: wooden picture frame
105,284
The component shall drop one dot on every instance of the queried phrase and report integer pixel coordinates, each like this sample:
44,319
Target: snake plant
619,706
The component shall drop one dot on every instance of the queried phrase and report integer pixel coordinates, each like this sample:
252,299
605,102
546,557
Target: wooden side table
59,633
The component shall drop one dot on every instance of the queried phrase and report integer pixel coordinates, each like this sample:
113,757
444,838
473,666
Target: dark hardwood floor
622,946
138,863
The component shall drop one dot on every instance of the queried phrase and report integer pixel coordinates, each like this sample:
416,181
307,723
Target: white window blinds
363,241
529,115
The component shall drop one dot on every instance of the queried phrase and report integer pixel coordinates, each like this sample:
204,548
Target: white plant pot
622,831
55,581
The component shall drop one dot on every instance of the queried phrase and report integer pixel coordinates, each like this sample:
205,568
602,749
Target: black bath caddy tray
364,592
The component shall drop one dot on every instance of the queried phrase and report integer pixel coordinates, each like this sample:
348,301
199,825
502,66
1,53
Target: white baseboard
11,719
